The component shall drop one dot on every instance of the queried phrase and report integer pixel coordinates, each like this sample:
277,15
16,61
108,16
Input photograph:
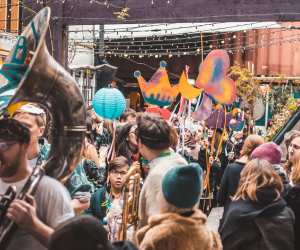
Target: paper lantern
109,103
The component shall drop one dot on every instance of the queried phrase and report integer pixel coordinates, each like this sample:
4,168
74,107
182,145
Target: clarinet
7,226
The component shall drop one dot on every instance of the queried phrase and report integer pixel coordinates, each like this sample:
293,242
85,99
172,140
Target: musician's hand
23,213
135,168
230,156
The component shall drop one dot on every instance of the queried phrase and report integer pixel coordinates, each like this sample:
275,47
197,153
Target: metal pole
101,42
20,23
267,110
202,55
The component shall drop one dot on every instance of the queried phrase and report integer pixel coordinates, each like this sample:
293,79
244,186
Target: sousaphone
36,77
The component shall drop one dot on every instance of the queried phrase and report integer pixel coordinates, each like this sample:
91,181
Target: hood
247,210
196,218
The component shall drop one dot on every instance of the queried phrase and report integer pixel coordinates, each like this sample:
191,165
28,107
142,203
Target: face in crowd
132,139
11,153
33,123
294,150
117,176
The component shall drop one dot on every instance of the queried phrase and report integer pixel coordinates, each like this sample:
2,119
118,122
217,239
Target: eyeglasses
4,146
116,172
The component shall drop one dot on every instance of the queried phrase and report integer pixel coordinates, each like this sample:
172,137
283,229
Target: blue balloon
109,103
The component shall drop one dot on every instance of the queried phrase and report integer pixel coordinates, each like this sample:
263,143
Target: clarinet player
37,216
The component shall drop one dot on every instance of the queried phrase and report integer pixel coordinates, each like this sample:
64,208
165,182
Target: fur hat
269,151
182,185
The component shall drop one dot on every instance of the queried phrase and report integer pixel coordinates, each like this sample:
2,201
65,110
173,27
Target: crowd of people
182,173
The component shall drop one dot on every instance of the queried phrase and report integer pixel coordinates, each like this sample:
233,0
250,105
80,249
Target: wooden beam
93,12
83,12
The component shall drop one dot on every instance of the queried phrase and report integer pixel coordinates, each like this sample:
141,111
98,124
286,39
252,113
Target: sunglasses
6,145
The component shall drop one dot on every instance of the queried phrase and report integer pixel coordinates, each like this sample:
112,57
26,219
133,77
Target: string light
237,49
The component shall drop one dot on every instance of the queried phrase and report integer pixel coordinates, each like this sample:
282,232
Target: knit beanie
269,151
182,185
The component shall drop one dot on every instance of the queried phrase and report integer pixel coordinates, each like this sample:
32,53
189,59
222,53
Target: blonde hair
295,174
257,174
251,143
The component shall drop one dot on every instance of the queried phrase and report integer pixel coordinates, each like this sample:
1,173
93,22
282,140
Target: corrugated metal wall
270,52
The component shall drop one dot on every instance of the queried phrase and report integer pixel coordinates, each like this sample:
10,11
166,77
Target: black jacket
293,201
229,183
263,225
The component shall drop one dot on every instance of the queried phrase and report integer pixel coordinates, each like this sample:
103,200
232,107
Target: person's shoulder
52,185
100,191
235,166
175,159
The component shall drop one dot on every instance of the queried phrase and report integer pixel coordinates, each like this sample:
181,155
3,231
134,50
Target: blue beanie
182,185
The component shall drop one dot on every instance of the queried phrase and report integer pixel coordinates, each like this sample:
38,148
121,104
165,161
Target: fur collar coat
171,231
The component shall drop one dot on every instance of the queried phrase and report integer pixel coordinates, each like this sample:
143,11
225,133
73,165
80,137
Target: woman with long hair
292,143
258,217
293,199
231,176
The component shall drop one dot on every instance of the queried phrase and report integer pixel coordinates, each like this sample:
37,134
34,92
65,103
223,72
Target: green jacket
99,204
78,181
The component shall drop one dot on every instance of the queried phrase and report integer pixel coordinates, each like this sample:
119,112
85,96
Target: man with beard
37,216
